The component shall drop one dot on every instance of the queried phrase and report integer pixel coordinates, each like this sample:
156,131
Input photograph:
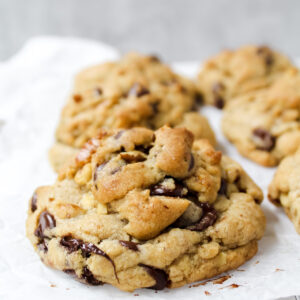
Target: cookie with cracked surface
233,73
265,126
134,91
144,209
284,189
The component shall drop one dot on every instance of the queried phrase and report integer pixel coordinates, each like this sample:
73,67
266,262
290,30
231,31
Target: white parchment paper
33,88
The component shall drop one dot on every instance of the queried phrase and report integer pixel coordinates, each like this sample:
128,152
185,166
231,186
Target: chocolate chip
88,276
70,243
223,187
161,190
154,107
70,272
46,221
217,89
34,202
219,102
144,149
267,55
87,249
132,158
119,134
208,218
160,276
275,201
138,90
130,245
263,139
42,246
98,92
199,98
192,163
77,98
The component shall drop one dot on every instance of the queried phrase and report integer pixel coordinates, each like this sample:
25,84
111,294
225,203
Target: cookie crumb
278,270
52,285
221,279
233,286
135,294
257,262
207,293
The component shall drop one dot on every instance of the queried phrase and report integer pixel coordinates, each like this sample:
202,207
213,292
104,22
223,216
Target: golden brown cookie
233,73
265,125
139,208
284,189
134,91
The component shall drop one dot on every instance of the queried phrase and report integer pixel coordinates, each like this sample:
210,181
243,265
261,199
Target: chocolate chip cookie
233,73
144,209
135,91
265,125
284,189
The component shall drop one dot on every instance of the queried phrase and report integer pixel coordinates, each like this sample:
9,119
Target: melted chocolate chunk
144,149
154,107
70,272
267,55
275,201
42,246
130,245
217,89
223,187
219,102
263,139
46,221
87,249
138,90
70,243
160,190
98,92
89,278
192,163
132,158
208,218
34,202
199,99
160,276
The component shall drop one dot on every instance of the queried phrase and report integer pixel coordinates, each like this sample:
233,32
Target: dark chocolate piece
34,202
263,139
160,276
130,245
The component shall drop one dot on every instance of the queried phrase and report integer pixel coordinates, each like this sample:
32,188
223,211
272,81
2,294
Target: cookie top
232,73
265,125
134,91
138,208
284,189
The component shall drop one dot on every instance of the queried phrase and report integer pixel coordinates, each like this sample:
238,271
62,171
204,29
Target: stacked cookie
142,198
260,92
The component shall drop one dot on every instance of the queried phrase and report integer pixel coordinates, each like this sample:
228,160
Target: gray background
175,29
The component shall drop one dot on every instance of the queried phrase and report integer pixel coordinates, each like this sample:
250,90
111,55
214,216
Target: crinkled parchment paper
33,88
